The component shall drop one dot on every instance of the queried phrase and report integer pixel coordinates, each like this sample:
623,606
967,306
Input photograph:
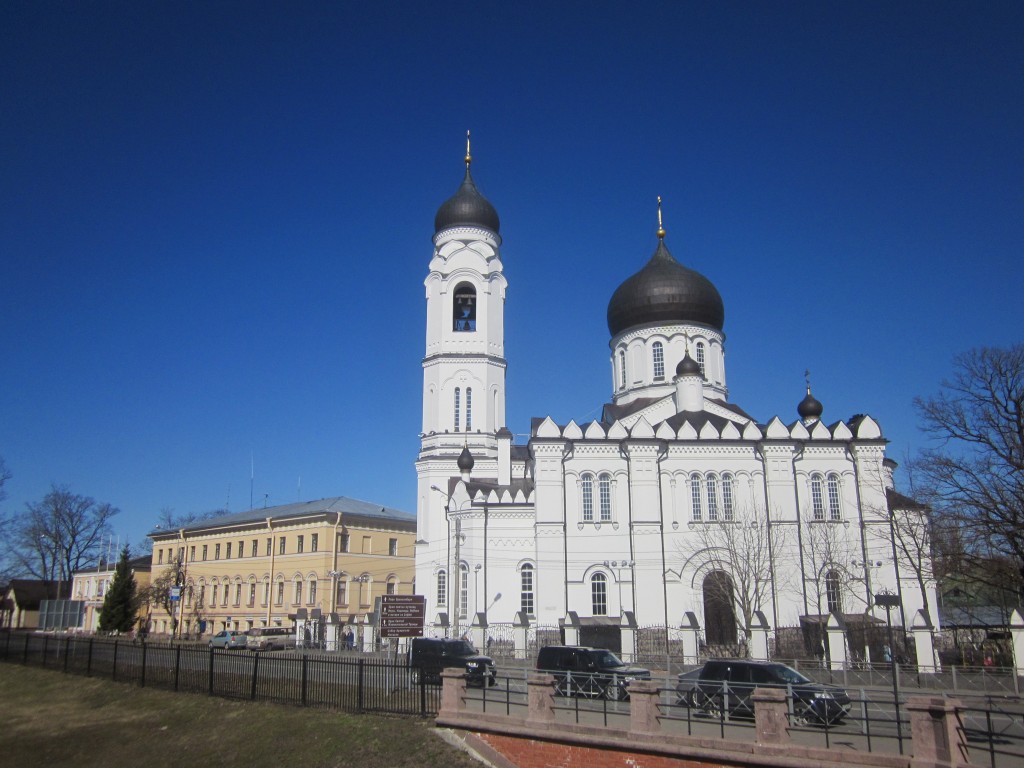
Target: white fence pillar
924,643
1017,634
571,627
835,636
520,635
759,630
627,632
690,633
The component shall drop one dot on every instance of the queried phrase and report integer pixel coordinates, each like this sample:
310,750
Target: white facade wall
506,515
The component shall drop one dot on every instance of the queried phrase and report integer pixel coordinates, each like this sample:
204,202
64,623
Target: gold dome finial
661,229
469,158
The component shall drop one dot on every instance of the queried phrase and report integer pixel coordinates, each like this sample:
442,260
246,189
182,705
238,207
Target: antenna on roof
298,490
252,476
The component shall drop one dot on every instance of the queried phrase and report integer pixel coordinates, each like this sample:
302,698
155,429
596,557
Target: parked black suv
592,672
429,656
727,685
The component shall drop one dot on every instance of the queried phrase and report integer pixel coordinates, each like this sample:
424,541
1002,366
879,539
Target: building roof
979,616
342,505
665,292
467,207
29,593
899,501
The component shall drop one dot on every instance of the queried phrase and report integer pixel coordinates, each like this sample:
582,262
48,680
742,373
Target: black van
591,672
428,656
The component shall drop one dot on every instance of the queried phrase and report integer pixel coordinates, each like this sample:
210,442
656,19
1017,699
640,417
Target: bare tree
975,475
57,536
158,593
7,568
742,549
828,549
911,539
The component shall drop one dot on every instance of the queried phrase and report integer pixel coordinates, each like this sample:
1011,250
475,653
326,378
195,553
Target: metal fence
311,680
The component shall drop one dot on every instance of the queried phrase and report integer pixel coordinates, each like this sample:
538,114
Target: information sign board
402,615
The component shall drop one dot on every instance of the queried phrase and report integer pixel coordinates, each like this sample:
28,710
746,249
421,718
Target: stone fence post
770,721
643,707
453,691
540,697
935,730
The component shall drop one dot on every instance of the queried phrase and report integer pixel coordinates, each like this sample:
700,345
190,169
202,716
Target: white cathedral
675,509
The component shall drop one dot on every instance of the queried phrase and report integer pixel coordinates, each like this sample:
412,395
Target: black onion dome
466,460
665,292
467,207
688,366
809,407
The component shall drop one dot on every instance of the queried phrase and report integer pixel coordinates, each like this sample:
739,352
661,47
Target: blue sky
215,219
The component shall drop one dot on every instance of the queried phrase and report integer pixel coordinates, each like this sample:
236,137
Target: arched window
587,493
698,513
599,594
463,591
298,592
469,409
442,588
658,358
817,500
526,590
835,511
832,592
312,593
213,594
604,485
622,369
458,397
727,497
712,484
464,308
700,358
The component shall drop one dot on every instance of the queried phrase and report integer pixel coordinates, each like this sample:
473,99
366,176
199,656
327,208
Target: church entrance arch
719,614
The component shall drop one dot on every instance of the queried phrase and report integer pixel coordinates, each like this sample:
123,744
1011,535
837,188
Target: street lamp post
888,601
453,610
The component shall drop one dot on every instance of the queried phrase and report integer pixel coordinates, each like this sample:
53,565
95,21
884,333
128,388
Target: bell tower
464,365
463,387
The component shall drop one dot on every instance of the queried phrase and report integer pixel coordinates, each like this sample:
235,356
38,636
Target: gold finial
807,378
661,229
469,158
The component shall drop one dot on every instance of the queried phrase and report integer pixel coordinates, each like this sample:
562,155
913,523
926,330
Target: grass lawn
50,719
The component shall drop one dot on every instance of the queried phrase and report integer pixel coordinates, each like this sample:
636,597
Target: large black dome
665,292
467,207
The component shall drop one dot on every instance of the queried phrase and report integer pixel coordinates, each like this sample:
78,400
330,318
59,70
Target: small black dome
467,207
809,407
466,461
688,367
665,292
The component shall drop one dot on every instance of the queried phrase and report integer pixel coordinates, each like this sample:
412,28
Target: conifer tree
120,603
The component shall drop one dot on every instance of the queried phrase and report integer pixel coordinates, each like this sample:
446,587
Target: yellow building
263,567
90,587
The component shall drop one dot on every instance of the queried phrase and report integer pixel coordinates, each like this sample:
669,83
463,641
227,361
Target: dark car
591,672
428,656
726,685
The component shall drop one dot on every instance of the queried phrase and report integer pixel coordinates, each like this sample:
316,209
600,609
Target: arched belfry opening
719,614
464,308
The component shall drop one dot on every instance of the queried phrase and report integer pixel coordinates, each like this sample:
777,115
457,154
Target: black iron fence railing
290,677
